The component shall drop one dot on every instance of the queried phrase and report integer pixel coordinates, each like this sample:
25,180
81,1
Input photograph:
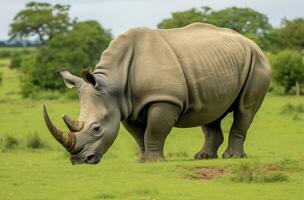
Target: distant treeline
19,43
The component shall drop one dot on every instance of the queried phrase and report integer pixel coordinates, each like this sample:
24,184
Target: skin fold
154,80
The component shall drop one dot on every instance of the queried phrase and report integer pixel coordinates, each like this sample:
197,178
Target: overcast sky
120,15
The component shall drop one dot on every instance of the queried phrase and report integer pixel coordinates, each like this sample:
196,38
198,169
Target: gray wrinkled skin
154,80
101,117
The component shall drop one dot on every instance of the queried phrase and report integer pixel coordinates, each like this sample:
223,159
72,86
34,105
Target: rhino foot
141,158
153,157
229,153
204,155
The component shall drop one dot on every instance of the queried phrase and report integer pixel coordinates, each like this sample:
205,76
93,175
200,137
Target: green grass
274,139
4,62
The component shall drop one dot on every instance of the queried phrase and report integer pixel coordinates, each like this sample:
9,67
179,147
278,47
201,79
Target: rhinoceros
154,80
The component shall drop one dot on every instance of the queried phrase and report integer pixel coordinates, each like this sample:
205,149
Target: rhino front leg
213,139
161,119
137,130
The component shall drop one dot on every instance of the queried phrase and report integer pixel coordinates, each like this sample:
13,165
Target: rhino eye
96,128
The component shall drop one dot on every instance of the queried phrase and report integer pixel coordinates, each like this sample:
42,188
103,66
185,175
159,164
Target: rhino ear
69,79
89,77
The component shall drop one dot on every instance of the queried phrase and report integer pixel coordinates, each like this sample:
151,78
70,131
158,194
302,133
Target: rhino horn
73,125
67,140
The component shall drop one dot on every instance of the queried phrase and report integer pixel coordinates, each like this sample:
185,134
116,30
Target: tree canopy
242,20
293,33
79,48
183,18
251,23
41,20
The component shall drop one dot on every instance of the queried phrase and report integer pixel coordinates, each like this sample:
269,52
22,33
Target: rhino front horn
67,140
73,125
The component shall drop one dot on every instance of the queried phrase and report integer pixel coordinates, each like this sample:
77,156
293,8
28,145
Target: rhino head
96,128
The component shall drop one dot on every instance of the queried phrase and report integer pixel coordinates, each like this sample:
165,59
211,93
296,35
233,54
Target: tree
293,33
41,19
180,19
242,20
246,21
74,50
288,70
274,41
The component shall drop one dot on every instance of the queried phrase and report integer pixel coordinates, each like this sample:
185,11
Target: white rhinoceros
154,80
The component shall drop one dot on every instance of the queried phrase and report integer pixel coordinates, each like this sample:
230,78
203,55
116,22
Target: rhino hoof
234,154
204,155
153,157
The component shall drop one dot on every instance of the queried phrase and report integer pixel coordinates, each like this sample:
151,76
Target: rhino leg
137,130
213,139
237,136
160,120
248,104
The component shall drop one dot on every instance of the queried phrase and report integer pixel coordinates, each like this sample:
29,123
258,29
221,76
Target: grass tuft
288,165
105,196
257,173
292,109
181,154
34,141
9,142
1,77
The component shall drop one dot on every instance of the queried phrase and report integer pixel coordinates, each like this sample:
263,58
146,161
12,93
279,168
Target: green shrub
35,142
28,88
79,48
15,55
288,70
15,61
5,53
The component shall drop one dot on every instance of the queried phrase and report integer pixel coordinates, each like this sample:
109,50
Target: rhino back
215,63
200,68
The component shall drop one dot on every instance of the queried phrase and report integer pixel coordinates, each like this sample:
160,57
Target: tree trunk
298,88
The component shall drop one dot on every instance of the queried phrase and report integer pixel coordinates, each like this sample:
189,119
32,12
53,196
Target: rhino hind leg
160,120
237,136
248,104
213,139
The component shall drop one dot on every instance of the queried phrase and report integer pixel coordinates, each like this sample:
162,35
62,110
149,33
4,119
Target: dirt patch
270,168
209,173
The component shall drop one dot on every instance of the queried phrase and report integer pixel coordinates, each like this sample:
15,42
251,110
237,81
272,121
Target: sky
121,15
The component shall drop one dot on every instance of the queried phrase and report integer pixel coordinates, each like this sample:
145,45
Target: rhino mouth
84,156
93,159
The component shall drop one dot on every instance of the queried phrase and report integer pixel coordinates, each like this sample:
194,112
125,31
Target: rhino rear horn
73,125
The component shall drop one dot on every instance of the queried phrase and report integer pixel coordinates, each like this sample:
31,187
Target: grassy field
274,168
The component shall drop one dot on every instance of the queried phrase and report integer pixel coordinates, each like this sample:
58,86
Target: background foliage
80,47
74,45
41,19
